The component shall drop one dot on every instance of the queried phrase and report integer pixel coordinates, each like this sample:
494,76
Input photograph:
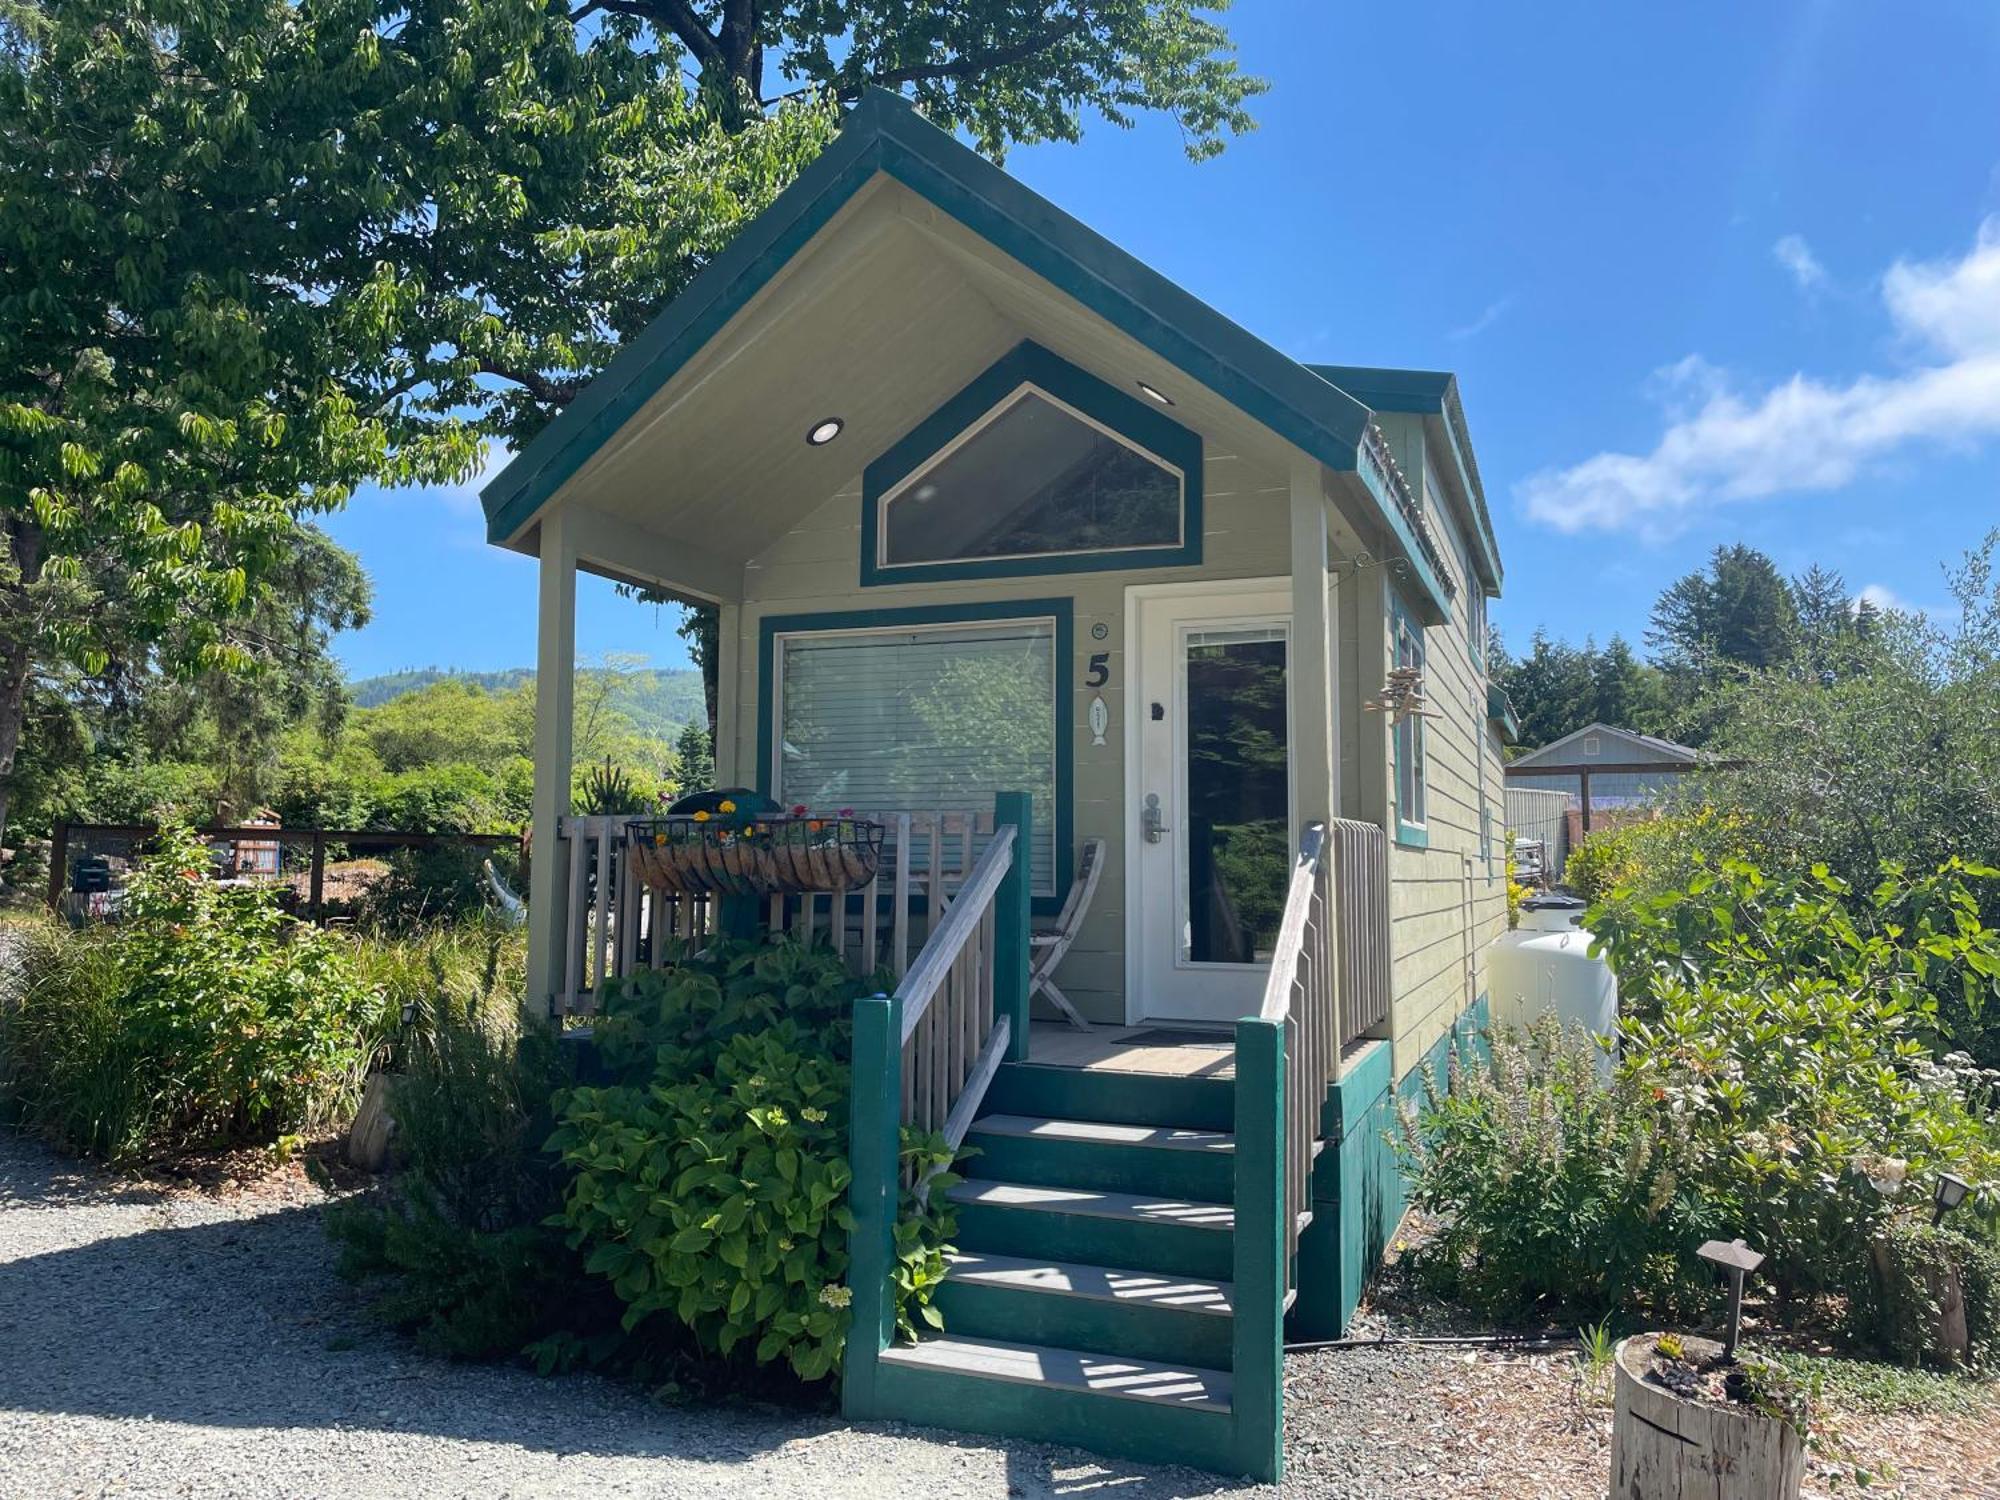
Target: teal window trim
1029,364
1413,834
1062,611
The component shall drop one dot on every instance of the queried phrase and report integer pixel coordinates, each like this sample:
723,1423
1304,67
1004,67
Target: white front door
1210,799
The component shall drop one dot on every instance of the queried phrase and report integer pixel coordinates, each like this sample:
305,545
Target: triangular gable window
1034,468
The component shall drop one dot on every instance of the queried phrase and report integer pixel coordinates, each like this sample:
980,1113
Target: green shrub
1556,1193
710,1176
1899,1312
1806,1092
205,1018
455,1247
1774,1083
1655,855
1915,941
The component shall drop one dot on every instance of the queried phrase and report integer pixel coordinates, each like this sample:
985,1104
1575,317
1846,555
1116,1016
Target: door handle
1150,821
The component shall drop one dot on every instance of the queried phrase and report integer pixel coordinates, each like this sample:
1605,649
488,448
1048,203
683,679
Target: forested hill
657,702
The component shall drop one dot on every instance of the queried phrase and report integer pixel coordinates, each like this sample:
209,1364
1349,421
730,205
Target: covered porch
1024,554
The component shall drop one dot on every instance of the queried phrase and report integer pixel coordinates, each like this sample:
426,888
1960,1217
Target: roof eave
884,134
1431,394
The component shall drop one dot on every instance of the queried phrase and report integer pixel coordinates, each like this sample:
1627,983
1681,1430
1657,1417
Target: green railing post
875,1119
1010,922
1257,1382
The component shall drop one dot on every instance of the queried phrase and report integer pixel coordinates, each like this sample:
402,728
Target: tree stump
1670,1447
368,1137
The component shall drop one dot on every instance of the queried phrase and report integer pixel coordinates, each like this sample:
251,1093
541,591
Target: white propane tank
1545,965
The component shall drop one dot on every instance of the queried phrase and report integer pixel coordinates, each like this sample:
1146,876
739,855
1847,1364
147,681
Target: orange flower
701,817
725,805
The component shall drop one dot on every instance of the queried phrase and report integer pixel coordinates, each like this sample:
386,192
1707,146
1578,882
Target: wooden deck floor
1167,1050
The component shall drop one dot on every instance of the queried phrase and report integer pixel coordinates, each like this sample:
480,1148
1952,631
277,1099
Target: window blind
921,719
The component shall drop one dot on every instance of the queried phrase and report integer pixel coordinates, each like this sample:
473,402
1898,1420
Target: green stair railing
924,1057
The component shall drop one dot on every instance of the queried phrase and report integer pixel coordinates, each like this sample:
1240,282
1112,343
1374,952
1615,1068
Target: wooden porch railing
1360,893
613,925
923,1059
1329,986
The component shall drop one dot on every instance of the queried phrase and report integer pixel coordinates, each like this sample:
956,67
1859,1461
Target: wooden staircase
1128,1244
1091,1298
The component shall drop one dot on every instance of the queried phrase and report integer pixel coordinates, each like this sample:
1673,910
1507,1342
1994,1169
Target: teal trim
1010,921
1028,363
1500,713
873,1155
1019,1315
1114,1098
1359,1195
1197,1176
1428,393
1153,1432
1257,1371
1061,610
884,134
1359,1189
1413,833
1173,1249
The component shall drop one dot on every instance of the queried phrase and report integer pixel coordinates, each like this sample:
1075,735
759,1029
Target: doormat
1160,1036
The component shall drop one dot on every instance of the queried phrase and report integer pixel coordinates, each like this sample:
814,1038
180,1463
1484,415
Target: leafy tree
282,249
1900,762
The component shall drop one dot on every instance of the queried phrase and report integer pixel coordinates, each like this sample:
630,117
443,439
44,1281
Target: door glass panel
1237,795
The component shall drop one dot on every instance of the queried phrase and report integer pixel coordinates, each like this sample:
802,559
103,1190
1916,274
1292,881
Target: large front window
1034,479
924,718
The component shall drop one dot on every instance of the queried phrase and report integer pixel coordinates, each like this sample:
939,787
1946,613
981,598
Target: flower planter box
1666,1446
756,856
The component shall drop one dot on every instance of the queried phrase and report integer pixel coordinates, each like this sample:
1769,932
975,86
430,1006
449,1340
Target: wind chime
1402,696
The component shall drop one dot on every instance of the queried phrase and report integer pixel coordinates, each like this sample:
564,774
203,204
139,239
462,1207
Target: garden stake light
1950,1193
1739,1260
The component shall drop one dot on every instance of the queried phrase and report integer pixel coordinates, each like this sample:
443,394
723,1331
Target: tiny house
987,507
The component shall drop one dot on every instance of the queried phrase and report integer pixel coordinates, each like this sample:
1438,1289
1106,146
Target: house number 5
1100,669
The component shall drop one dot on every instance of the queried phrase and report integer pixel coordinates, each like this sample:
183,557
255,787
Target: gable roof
1431,393
884,134
1546,756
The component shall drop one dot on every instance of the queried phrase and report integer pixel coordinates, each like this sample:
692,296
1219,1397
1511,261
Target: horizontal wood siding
815,567
1448,901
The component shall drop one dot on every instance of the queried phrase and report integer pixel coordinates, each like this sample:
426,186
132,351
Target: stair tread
1187,1386
1095,1132
1097,1283
1144,1208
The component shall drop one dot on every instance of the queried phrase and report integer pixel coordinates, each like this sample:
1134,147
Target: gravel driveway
162,1343
158,1342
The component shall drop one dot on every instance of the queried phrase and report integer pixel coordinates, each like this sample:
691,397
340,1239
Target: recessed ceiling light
1161,397
825,432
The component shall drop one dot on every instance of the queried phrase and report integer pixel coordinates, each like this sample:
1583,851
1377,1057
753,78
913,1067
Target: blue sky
1707,273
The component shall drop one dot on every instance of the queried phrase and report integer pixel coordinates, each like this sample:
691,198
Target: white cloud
1486,319
1795,255
1724,443
1882,597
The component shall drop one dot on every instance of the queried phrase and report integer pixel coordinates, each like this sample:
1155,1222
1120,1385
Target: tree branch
974,64
536,384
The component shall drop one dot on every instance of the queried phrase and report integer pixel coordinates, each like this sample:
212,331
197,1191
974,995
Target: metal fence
89,862
1613,791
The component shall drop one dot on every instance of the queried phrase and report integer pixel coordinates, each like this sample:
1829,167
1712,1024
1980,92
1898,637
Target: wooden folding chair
1046,948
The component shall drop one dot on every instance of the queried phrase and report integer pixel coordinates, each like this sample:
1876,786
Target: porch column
555,698
1311,686
728,729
